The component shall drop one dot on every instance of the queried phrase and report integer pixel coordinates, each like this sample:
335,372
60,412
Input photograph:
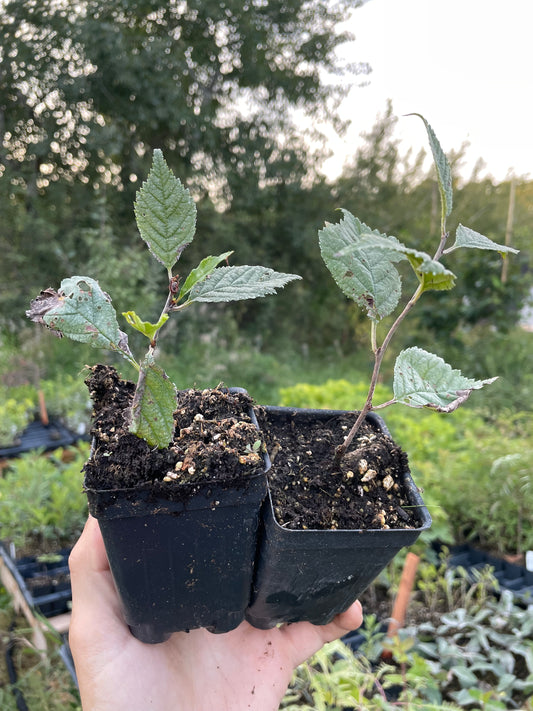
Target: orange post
42,409
401,603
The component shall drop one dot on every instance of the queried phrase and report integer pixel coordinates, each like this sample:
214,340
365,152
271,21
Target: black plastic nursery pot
313,575
182,557
180,565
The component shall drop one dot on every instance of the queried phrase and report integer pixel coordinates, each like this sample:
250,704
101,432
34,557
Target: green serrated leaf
465,237
361,261
422,379
202,271
153,406
431,274
165,213
145,327
444,172
83,312
238,283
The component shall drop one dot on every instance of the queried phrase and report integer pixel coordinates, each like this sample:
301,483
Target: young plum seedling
166,218
362,262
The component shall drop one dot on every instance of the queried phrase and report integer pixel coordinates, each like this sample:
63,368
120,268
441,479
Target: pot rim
411,488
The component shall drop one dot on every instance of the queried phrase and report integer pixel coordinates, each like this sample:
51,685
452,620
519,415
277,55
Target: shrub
16,411
495,462
41,500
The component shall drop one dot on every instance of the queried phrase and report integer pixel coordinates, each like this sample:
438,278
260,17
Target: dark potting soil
215,439
307,491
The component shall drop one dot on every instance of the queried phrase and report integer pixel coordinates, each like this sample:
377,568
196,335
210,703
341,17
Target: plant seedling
166,218
362,262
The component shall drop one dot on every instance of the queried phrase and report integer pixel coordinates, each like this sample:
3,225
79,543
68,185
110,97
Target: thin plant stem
379,353
151,350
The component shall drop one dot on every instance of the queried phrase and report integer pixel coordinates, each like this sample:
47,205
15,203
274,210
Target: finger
90,548
346,621
306,639
93,590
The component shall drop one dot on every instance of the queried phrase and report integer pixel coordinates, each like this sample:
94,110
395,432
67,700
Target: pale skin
243,670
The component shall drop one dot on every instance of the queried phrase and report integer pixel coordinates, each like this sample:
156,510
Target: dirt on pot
214,439
366,492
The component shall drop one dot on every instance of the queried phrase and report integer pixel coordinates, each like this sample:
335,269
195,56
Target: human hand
243,670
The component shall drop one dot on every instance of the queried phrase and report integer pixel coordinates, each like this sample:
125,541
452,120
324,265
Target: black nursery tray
47,584
517,579
39,436
37,586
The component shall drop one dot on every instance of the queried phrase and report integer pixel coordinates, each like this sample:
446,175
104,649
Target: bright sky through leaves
466,66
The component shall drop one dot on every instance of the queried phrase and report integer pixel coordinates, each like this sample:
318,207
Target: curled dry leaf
48,299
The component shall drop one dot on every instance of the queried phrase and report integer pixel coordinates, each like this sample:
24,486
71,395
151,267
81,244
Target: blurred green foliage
16,406
42,503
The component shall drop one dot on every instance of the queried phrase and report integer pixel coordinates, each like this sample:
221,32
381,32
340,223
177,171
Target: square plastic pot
181,565
185,562
314,575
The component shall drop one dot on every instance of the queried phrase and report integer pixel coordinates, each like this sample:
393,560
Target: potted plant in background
42,513
176,479
341,498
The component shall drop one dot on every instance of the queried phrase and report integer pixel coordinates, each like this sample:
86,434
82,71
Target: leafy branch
363,262
166,219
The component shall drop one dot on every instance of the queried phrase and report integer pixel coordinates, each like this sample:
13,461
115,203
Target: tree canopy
88,89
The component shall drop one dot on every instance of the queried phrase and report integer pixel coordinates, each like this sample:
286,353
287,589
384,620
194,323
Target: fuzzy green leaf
165,213
145,327
238,283
361,261
444,172
202,271
83,312
465,237
431,274
465,676
153,406
422,379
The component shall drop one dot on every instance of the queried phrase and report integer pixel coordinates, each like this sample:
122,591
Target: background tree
89,89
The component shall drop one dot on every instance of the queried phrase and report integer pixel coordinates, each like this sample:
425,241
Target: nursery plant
15,413
166,218
338,473
41,505
363,262
173,475
464,647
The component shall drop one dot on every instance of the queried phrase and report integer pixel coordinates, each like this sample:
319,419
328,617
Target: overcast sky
466,65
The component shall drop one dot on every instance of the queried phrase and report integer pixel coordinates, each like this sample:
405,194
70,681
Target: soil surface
214,439
366,491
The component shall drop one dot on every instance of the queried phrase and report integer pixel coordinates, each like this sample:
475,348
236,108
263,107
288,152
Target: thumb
95,602
306,638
